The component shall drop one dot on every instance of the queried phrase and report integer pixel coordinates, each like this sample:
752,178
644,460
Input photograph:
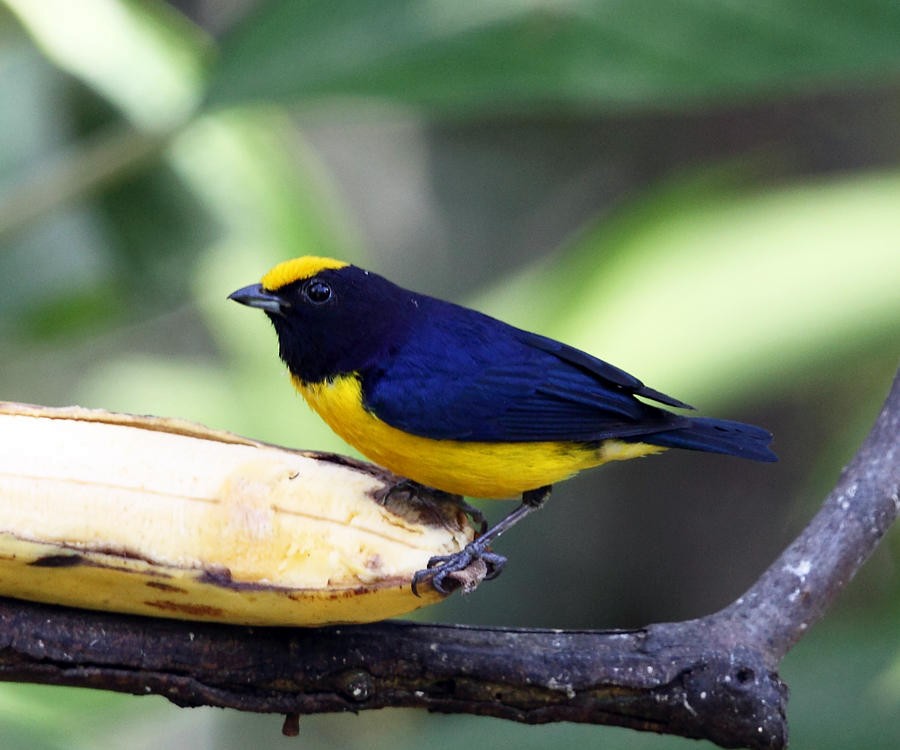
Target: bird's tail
718,436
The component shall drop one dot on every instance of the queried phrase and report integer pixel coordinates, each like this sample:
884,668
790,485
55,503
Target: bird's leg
415,489
442,567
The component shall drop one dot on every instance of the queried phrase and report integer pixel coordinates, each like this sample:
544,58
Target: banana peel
162,517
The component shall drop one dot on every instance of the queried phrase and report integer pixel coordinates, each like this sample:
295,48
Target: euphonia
461,402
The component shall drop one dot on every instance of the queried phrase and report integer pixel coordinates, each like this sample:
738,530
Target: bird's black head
331,318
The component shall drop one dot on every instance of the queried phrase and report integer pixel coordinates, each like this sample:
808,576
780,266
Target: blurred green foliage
703,193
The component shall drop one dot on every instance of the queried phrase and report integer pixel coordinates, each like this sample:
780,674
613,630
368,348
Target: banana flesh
162,517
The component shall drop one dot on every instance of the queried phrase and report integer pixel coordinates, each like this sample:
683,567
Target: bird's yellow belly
477,469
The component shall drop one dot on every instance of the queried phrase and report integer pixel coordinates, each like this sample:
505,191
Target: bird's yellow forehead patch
298,268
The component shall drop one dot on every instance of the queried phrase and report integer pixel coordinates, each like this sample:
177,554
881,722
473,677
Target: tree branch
714,677
797,589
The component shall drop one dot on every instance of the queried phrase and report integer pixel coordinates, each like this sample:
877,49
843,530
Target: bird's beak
255,296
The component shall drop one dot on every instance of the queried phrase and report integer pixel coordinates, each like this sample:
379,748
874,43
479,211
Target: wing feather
486,381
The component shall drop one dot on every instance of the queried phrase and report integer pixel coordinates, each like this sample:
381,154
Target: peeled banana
154,516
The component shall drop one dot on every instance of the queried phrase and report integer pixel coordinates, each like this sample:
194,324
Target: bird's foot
475,563
464,569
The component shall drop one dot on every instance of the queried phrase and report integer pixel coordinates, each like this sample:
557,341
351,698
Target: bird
460,402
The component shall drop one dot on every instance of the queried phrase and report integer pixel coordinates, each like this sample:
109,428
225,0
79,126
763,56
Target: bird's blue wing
464,376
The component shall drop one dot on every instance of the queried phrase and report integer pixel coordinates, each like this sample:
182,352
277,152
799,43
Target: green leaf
141,56
475,56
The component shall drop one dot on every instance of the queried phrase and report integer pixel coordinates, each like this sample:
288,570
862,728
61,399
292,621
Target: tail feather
718,436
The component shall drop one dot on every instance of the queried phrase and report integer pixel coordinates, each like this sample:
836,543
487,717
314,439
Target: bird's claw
464,569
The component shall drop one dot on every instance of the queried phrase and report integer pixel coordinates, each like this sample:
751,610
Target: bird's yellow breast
477,469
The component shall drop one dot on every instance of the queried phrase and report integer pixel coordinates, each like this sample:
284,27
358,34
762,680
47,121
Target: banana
155,516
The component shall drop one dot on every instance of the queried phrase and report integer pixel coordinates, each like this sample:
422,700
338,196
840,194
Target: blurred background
705,194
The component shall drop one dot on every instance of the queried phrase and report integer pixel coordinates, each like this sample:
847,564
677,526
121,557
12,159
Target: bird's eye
318,292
